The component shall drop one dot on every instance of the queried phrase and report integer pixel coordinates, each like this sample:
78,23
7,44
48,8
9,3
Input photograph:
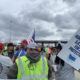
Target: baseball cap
32,46
25,41
10,44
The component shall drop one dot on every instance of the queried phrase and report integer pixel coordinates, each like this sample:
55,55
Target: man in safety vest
48,52
10,51
30,67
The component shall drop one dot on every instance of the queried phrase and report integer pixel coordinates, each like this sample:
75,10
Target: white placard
71,52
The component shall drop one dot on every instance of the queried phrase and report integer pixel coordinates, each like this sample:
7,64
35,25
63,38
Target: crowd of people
31,62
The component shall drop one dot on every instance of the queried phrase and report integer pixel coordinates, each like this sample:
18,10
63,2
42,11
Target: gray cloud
66,22
49,17
19,29
70,2
43,33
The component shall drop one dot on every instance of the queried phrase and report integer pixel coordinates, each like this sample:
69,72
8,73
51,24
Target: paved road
77,74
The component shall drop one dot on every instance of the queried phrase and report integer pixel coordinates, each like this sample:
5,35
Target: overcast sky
52,19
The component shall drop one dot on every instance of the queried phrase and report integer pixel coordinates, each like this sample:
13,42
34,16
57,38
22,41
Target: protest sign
71,52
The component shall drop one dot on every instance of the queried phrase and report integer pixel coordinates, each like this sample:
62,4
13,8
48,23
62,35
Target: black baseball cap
10,44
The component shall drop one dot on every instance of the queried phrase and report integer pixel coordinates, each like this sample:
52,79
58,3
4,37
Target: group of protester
30,62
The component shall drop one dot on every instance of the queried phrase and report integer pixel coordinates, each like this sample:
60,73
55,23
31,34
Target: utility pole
10,29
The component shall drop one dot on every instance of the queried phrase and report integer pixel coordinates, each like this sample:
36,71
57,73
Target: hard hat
32,46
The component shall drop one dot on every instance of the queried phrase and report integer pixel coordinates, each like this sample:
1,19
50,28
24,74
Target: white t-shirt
5,63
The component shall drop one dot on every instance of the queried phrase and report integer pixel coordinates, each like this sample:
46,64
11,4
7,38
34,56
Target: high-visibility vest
34,71
14,48
5,48
6,53
48,50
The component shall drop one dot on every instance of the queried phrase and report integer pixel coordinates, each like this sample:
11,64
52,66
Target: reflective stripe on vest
5,53
20,53
32,76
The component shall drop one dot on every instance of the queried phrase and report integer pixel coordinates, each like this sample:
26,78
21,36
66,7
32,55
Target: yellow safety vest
5,48
34,71
6,53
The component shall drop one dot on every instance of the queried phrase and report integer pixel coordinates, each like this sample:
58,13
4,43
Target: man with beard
24,44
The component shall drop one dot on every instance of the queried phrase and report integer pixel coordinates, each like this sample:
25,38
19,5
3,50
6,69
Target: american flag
32,38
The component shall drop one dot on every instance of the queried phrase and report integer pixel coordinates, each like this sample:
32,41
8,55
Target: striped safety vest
34,71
